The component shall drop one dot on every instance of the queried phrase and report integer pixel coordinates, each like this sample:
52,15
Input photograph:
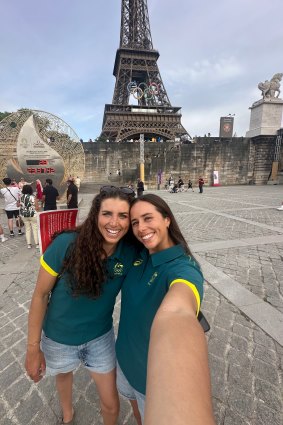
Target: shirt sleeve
188,273
53,257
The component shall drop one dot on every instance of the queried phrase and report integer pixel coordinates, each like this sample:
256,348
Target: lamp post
142,157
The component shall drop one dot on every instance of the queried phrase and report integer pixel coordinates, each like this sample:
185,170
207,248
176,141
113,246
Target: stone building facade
238,161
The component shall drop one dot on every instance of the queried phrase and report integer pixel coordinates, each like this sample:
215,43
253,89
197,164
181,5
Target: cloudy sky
58,56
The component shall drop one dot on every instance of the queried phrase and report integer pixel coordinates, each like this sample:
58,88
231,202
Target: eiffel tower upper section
137,74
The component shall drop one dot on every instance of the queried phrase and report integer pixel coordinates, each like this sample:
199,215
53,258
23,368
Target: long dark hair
85,261
27,189
163,208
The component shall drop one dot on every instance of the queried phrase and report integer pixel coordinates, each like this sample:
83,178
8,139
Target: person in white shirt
11,196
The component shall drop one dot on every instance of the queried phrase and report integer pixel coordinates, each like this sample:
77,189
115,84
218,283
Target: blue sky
58,56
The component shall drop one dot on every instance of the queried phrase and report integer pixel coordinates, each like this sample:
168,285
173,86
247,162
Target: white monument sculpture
266,114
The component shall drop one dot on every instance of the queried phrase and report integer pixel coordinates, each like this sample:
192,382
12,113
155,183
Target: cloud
205,72
59,57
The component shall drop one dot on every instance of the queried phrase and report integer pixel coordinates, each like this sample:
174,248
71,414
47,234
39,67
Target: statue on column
269,88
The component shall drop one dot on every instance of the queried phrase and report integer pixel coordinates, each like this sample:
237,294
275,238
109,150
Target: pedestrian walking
72,194
140,187
11,196
180,184
81,273
171,183
280,208
49,196
28,210
190,185
200,184
161,298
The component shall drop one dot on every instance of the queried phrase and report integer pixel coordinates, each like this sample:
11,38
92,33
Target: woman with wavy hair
70,319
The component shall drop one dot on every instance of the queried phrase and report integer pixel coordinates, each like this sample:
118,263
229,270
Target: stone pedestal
266,117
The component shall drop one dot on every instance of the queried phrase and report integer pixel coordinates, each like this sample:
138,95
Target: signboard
36,158
53,221
226,127
215,178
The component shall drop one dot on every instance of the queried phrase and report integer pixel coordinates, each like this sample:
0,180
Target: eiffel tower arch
137,75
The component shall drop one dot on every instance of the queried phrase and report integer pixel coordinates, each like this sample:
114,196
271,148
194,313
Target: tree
4,115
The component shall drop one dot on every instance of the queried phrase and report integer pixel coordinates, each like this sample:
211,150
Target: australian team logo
118,269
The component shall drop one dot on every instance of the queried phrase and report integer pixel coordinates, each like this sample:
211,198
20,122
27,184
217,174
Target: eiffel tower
137,76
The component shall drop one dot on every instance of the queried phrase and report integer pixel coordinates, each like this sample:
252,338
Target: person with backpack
28,210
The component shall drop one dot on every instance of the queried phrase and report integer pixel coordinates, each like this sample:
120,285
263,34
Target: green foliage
101,138
4,115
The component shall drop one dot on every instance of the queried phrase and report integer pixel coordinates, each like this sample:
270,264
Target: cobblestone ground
246,362
258,268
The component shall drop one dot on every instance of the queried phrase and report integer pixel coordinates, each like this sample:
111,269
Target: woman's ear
168,221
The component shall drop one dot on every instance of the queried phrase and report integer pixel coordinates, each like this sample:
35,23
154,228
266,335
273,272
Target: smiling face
150,227
113,221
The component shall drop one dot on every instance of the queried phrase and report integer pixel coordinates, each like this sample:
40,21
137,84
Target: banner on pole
226,127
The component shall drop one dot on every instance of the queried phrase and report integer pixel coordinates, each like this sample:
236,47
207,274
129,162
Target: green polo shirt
76,320
143,290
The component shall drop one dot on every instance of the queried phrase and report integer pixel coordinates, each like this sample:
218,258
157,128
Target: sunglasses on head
125,190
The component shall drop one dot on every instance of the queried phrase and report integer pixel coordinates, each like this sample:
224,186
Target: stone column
266,117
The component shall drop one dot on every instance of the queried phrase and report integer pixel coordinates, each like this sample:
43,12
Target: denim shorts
126,390
97,355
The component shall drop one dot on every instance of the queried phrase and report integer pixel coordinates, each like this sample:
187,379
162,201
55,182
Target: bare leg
10,224
64,384
136,411
108,394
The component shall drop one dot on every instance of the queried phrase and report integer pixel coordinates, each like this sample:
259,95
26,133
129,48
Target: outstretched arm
178,380
35,362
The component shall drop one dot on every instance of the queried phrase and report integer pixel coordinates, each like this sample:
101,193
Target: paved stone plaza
237,236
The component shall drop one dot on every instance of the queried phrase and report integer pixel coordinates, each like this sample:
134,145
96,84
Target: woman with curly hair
70,319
